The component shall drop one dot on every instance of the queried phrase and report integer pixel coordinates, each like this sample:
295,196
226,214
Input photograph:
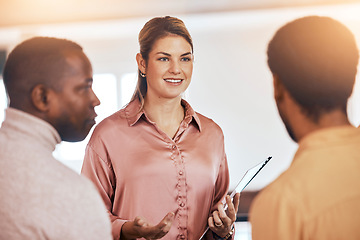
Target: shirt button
182,204
173,146
180,172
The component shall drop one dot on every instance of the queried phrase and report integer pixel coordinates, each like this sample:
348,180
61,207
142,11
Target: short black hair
316,59
38,60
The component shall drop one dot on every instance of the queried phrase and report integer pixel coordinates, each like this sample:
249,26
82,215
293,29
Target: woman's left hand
221,221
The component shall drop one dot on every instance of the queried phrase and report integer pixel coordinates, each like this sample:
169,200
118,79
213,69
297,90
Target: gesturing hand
141,228
221,221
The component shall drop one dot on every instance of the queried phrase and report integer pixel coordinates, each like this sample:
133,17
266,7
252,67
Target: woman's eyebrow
188,53
168,54
164,53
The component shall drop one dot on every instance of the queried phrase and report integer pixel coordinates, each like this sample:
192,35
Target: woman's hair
316,59
152,31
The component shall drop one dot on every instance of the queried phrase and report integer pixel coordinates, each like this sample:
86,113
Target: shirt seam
107,163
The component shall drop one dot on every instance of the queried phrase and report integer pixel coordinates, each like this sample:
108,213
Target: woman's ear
141,63
40,97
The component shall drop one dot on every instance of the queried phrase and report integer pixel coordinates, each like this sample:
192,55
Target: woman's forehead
171,43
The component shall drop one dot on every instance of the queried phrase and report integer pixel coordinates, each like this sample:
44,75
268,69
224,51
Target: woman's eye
186,59
163,59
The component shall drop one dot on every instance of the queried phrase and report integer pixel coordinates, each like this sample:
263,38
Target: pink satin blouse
140,171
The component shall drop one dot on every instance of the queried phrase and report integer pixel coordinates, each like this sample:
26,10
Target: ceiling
25,12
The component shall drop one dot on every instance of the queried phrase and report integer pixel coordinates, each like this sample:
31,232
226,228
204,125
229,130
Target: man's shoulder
75,196
52,197
283,190
70,180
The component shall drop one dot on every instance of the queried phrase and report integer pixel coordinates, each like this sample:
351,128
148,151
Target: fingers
221,220
232,207
236,201
147,231
211,222
166,222
140,222
225,218
218,220
134,229
162,228
217,224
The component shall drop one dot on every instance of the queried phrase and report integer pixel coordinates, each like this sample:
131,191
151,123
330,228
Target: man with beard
313,61
48,82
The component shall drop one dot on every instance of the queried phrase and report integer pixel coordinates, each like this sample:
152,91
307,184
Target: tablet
248,176
244,181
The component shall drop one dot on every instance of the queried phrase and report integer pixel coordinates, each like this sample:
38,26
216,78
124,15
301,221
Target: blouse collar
133,114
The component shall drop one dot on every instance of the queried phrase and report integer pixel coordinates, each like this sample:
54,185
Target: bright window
3,100
128,84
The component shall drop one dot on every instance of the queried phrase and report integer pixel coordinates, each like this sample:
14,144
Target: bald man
49,84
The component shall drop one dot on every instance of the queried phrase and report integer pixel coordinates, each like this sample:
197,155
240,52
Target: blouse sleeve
101,173
221,189
222,183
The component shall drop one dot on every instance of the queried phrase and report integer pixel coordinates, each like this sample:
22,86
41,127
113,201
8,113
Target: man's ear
279,89
40,97
141,63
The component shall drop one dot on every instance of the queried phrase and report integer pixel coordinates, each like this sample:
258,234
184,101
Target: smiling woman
159,137
168,71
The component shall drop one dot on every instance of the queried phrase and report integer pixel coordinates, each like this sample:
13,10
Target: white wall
231,82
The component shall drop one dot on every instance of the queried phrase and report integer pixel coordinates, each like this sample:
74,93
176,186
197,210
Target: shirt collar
133,114
327,137
190,114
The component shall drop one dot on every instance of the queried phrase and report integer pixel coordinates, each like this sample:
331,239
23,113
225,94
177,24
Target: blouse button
182,204
180,172
173,146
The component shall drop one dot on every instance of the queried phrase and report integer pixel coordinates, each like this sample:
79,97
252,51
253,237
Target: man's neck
306,125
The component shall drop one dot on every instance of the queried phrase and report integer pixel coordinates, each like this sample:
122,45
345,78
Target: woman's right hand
141,228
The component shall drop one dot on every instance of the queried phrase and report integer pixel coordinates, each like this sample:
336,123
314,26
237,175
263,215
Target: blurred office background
231,82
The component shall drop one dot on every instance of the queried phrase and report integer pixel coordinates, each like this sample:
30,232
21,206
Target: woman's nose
175,67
